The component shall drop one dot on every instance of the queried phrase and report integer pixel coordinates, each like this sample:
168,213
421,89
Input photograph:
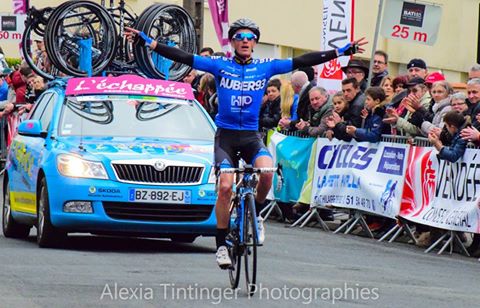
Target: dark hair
402,79
275,82
376,93
208,49
309,71
383,54
351,80
454,118
26,71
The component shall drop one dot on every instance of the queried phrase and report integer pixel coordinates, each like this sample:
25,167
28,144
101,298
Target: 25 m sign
411,22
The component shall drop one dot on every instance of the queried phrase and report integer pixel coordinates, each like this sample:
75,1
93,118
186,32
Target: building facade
290,28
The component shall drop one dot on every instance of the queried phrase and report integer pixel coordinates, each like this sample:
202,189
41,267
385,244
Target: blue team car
114,156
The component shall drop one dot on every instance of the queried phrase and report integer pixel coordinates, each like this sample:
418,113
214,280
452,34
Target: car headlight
74,166
212,179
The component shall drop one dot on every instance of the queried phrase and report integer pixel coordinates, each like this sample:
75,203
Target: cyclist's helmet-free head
243,23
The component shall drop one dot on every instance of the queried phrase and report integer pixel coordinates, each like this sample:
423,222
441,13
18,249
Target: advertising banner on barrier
441,194
360,175
293,154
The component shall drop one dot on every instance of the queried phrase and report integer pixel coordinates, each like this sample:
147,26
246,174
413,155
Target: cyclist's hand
135,36
352,47
131,33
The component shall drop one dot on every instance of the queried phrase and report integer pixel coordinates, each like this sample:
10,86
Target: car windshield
130,116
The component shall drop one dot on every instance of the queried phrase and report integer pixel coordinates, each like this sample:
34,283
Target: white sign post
411,21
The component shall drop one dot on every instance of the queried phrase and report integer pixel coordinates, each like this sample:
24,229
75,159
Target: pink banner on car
129,85
20,6
219,11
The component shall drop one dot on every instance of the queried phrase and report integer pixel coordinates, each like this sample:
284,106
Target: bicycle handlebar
251,170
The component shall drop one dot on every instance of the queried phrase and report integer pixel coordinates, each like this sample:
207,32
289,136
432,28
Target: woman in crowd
459,103
387,85
439,106
399,84
208,87
288,101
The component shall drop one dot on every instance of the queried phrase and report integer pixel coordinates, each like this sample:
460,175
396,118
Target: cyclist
241,82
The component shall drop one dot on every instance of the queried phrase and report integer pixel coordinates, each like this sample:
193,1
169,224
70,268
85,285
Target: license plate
160,196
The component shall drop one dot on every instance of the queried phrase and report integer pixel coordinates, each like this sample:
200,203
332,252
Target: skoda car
116,156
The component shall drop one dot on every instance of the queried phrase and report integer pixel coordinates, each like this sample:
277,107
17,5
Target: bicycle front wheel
251,241
235,254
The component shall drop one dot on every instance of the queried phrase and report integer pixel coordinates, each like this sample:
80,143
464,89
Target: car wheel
10,227
47,234
183,238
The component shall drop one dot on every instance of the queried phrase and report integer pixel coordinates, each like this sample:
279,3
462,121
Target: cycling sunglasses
240,36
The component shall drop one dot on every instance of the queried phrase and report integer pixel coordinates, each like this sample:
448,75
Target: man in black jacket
355,98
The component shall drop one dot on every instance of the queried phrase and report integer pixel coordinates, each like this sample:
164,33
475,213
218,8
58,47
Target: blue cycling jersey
240,87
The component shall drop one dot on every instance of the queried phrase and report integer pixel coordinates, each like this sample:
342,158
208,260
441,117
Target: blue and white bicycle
242,241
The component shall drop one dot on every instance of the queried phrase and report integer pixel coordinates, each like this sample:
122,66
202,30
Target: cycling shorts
230,142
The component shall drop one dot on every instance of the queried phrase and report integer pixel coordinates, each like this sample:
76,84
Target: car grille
137,173
157,212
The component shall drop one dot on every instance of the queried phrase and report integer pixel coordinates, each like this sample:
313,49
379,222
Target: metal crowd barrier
417,141
3,141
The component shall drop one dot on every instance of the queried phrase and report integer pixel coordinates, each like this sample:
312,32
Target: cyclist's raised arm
318,57
172,53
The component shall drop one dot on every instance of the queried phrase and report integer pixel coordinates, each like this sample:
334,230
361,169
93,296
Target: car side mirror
31,128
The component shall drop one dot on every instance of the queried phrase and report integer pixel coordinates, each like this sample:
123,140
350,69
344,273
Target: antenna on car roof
80,146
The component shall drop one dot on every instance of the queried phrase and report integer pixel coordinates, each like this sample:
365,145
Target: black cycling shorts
229,142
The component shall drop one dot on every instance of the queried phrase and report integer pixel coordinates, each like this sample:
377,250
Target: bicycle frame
244,187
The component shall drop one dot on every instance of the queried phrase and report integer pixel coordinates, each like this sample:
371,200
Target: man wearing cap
356,68
379,68
401,117
417,68
40,54
432,78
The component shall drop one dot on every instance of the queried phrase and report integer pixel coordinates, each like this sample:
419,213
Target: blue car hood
121,148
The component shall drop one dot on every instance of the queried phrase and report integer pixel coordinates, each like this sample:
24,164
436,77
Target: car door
27,153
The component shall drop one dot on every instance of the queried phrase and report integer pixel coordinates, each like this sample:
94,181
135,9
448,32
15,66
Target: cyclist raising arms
241,83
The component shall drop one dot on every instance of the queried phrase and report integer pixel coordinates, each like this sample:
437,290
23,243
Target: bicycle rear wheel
73,21
168,24
251,241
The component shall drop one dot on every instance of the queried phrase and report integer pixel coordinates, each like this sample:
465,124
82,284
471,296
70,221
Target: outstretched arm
318,57
172,53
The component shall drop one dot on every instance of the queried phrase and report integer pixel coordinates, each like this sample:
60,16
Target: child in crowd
340,118
454,122
373,113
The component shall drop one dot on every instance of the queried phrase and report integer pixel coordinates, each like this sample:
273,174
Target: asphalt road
296,267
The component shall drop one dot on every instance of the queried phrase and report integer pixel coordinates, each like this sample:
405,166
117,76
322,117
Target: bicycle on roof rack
62,28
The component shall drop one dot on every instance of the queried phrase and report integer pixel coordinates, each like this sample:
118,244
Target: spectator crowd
417,104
